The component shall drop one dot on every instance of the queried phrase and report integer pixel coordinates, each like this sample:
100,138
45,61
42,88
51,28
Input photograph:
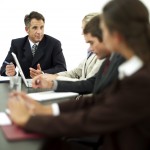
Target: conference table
31,144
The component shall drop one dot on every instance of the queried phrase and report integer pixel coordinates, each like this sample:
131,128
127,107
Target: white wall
63,21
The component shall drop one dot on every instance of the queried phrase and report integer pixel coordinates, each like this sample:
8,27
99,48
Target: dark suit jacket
121,114
49,55
96,83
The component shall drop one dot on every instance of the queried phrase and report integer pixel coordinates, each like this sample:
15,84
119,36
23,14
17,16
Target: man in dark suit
45,57
95,84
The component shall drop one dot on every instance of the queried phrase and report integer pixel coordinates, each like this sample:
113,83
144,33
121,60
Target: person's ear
117,37
26,29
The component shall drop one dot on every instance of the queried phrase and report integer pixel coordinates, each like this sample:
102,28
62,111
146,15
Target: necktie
34,48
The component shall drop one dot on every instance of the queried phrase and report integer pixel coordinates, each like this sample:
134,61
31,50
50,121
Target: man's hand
10,70
22,107
50,77
35,72
18,110
41,82
35,107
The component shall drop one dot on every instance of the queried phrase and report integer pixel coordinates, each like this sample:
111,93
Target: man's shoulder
21,39
118,58
50,38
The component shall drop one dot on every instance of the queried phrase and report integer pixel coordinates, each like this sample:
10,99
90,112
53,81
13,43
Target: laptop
28,82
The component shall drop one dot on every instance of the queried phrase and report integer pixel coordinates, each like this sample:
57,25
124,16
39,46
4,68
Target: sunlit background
63,21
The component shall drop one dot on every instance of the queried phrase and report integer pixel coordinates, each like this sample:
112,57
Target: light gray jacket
86,69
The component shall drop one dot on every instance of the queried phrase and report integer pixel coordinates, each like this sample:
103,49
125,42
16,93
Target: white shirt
127,69
130,67
31,43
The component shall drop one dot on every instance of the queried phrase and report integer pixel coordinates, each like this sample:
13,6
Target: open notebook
51,95
28,82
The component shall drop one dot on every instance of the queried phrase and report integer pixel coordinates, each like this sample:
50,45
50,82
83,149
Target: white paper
50,95
4,119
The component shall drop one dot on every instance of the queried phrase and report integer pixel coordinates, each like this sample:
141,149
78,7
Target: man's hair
89,16
33,15
93,27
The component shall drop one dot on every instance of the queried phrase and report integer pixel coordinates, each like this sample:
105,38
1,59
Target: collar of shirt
130,67
31,43
89,54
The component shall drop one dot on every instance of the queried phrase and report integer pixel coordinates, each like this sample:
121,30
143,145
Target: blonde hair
89,16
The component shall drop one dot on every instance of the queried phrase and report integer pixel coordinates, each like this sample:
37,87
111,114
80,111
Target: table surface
16,145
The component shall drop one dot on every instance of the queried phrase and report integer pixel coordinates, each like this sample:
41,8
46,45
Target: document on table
13,132
51,95
4,79
4,119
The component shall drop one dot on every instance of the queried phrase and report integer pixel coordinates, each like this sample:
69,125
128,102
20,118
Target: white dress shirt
130,67
31,43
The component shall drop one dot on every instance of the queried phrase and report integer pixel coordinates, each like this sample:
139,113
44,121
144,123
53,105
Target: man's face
96,46
109,38
35,30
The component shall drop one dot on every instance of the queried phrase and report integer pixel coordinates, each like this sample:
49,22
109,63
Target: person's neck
127,52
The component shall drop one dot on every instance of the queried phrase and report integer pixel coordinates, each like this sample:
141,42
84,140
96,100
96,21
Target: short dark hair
93,27
32,15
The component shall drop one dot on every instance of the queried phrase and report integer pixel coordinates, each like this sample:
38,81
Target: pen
6,62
